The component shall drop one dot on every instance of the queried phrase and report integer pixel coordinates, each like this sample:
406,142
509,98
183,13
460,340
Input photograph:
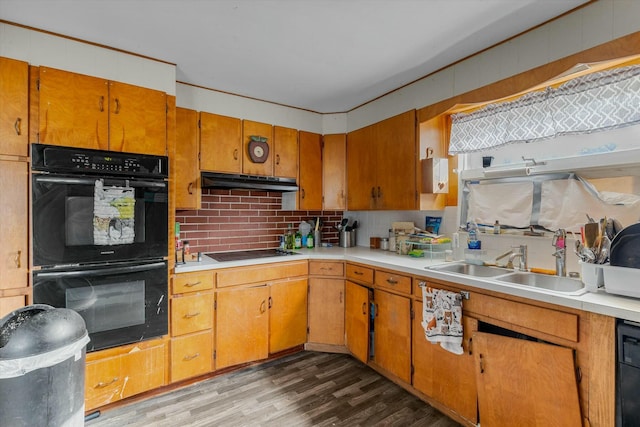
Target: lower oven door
120,303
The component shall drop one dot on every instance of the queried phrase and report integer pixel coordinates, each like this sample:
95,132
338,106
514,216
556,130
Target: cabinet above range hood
248,182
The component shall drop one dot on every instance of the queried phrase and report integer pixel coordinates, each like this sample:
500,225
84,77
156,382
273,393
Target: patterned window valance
599,101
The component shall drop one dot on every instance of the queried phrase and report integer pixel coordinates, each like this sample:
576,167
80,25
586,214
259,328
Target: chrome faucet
560,243
519,252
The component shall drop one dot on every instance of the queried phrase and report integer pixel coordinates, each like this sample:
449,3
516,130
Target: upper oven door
81,219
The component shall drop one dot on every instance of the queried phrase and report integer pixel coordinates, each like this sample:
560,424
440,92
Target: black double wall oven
100,240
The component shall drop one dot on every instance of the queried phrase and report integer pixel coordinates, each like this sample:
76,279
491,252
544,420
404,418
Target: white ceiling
320,55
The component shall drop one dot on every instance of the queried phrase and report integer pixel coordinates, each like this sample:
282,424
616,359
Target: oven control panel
52,158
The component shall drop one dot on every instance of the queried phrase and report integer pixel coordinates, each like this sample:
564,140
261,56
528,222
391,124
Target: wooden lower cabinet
242,325
326,311
392,334
14,229
356,318
539,389
287,315
326,304
443,376
191,355
115,374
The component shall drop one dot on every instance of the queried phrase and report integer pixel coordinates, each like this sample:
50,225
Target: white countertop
597,302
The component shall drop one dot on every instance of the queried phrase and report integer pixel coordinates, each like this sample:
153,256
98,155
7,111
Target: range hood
248,182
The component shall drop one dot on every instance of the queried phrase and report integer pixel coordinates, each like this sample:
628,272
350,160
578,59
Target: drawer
393,281
361,274
262,273
113,378
191,355
191,313
192,282
326,268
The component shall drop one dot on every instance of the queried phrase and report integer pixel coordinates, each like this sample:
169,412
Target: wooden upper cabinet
187,171
261,130
14,107
310,182
334,160
220,143
381,165
285,146
73,109
137,120
89,112
361,169
396,154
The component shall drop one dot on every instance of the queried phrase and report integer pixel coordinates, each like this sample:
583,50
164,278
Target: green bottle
310,240
298,240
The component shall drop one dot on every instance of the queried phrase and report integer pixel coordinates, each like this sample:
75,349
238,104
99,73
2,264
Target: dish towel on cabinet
442,318
113,215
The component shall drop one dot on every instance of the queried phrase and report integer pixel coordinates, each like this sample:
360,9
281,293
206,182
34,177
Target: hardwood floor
303,389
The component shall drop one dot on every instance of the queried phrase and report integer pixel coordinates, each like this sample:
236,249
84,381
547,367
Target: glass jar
384,243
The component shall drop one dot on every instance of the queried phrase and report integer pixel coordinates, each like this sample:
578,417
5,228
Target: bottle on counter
297,242
496,227
310,242
392,240
288,240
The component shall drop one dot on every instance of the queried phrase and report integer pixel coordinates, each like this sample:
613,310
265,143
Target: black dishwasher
628,373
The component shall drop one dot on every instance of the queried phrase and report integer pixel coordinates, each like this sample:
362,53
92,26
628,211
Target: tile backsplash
232,220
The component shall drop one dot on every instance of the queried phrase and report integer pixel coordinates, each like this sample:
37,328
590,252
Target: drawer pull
358,273
326,268
191,357
103,385
392,281
188,285
189,315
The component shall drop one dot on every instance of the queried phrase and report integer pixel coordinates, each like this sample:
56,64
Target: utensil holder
317,238
347,239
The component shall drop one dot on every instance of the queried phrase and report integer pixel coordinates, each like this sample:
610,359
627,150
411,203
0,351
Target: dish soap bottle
496,228
310,240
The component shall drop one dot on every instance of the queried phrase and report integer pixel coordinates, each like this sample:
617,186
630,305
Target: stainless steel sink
471,269
543,281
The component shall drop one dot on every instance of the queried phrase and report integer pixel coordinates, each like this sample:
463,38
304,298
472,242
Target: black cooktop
246,255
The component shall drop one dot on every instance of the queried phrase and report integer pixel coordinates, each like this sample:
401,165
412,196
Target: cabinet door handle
364,308
277,159
340,297
190,357
379,193
188,285
190,188
16,126
470,343
377,310
17,260
101,104
481,363
373,192
117,111
270,302
191,315
235,154
302,193
392,281
103,385
263,306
